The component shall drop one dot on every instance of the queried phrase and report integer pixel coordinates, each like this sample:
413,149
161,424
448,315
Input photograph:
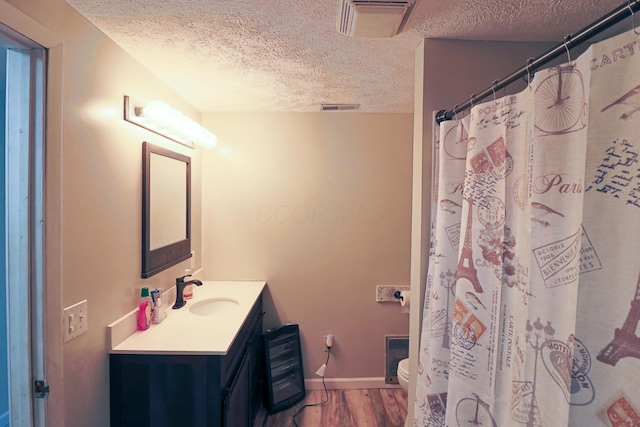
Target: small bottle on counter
158,312
187,294
144,310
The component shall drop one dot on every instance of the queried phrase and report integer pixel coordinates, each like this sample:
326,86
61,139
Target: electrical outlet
385,293
76,320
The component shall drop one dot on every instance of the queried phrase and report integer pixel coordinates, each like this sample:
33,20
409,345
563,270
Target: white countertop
183,332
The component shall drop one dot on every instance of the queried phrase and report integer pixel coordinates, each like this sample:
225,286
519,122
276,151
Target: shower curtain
532,296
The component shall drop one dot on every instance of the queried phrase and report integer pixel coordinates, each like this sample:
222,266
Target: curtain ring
473,95
633,17
455,112
493,89
566,40
529,61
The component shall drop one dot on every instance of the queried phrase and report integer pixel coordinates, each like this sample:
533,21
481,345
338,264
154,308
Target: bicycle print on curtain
532,297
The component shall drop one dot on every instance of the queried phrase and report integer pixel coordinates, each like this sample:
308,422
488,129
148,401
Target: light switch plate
75,321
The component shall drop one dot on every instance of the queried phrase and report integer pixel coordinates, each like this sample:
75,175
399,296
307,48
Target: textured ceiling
286,55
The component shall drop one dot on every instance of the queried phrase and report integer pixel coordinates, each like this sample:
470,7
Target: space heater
284,373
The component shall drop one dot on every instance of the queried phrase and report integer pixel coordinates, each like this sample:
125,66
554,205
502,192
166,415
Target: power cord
326,393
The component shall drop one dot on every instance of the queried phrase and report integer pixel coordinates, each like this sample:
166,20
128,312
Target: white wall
319,205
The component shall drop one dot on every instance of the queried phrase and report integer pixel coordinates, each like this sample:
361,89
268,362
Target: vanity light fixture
160,118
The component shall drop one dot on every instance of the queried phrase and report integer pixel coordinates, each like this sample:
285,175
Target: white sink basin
214,307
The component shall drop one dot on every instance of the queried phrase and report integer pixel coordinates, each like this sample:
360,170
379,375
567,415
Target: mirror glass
166,220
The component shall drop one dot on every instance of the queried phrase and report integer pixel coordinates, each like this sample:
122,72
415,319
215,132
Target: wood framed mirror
166,208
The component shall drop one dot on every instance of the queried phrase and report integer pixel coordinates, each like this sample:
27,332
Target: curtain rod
618,14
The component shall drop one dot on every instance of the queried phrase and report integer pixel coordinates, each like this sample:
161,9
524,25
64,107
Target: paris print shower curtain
532,297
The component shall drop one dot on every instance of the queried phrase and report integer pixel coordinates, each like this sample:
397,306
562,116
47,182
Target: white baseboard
347,383
4,419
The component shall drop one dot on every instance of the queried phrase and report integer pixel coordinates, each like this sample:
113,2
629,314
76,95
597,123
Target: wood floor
386,407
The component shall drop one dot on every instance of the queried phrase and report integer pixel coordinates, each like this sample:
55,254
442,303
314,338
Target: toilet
403,374
403,379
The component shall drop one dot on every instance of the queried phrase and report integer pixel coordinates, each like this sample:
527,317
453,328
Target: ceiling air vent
339,107
373,18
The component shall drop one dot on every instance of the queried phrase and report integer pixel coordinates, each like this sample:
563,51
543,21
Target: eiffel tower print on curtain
466,269
625,342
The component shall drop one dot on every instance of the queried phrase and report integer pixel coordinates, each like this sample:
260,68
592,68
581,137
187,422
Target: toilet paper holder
404,298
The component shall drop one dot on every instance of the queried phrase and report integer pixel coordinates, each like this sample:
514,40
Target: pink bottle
144,310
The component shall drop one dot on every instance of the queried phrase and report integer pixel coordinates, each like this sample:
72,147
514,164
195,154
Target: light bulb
172,123
157,113
209,140
175,123
192,131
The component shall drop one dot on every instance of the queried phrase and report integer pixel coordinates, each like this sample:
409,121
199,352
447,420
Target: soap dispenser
187,294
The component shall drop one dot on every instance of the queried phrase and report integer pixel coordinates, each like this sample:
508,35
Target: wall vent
339,107
397,348
373,18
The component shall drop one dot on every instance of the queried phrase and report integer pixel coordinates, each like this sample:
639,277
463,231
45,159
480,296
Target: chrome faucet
180,285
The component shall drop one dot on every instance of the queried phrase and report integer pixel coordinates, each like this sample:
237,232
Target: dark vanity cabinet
158,390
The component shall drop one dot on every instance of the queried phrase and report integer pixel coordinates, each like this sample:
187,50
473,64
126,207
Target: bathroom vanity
202,366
